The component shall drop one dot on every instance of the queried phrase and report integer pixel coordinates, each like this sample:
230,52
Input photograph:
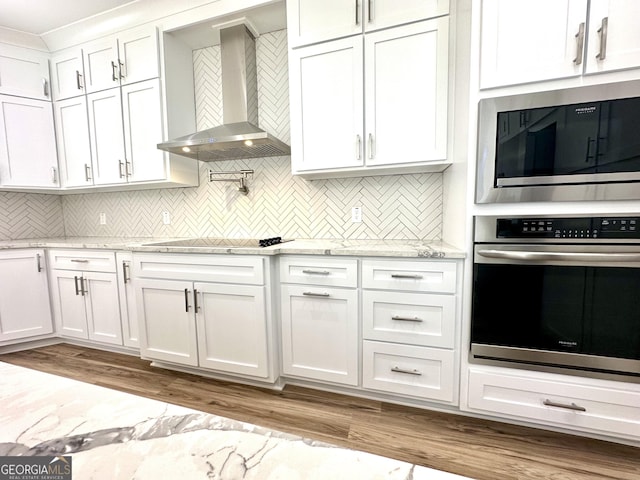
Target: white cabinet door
74,150
167,322
142,117
101,67
388,13
24,72
106,134
310,21
138,55
527,41
27,143
326,88
128,313
232,328
617,45
406,72
67,74
68,303
24,295
100,292
320,333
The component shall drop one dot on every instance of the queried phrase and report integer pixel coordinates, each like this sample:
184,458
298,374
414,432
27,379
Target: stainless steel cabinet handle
408,372
313,294
38,264
317,272
114,77
370,11
87,172
127,168
126,273
75,280
122,71
83,286
78,78
557,256
186,300
358,147
45,87
571,406
406,275
196,307
54,175
602,31
407,319
79,260
357,13
371,152
120,169
579,45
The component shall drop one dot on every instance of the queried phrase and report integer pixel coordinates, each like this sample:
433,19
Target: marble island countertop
352,247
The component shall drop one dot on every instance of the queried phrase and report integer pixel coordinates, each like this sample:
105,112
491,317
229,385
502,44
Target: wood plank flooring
476,448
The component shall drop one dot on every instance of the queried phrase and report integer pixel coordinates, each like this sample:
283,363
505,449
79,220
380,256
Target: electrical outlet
166,218
356,214
103,218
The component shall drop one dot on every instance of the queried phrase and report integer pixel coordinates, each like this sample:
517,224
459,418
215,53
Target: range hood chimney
238,137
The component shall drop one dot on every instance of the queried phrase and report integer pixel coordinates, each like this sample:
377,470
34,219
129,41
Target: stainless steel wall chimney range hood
238,137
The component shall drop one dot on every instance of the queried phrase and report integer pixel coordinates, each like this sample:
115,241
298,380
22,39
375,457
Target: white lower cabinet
128,312
595,406
84,294
207,311
25,310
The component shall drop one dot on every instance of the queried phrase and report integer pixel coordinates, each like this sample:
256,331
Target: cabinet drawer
428,276
341,272
608,410
413,318
85,260
236,269
421,372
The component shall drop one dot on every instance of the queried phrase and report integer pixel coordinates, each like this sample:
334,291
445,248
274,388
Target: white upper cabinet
67,74
130,57
72,138
27,143
614,36
406,78
24,72
527,41
310,21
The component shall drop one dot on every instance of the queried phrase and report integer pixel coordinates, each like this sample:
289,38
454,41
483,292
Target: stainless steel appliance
558,294
573,144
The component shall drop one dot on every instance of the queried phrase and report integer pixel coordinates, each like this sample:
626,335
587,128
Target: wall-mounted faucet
242,180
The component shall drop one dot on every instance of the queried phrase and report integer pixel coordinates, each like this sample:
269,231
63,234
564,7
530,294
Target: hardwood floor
476,448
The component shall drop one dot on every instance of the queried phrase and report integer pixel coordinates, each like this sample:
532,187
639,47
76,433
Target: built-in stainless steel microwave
574,144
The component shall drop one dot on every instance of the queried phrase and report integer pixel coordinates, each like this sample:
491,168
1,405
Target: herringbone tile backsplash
395,207
24,215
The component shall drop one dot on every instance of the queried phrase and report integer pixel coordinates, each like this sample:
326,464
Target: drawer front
427,276
609,411
247,269
413,318
422,372
84,260
331,272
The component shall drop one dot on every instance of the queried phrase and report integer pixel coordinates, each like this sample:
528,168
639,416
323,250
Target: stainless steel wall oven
558,294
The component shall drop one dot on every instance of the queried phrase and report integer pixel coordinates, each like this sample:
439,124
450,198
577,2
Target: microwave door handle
560,256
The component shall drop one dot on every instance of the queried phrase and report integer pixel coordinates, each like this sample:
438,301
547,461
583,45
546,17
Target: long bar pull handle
127,168
196,307
87,172
79,84
186,300
408,372
316,272
603,31
357,13
565,256
358,147
407,319
371,152
54,175
126,274
120,169
406,275
38,263
79,260
579,45
370,11
314,294
83,286
122,72
568,406
75,280
45,87
114,77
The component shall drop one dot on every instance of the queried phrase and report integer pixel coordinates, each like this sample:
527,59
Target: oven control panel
569,228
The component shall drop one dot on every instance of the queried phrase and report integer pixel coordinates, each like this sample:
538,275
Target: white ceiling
41,16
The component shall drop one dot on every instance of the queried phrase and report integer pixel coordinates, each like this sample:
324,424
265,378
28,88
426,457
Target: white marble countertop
375,248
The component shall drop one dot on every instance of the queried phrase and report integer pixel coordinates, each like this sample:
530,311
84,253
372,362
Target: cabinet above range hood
238,137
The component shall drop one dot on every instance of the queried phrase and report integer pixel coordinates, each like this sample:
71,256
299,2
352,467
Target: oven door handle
560,256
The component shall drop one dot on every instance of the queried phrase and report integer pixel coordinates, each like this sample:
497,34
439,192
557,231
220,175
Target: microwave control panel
569,228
